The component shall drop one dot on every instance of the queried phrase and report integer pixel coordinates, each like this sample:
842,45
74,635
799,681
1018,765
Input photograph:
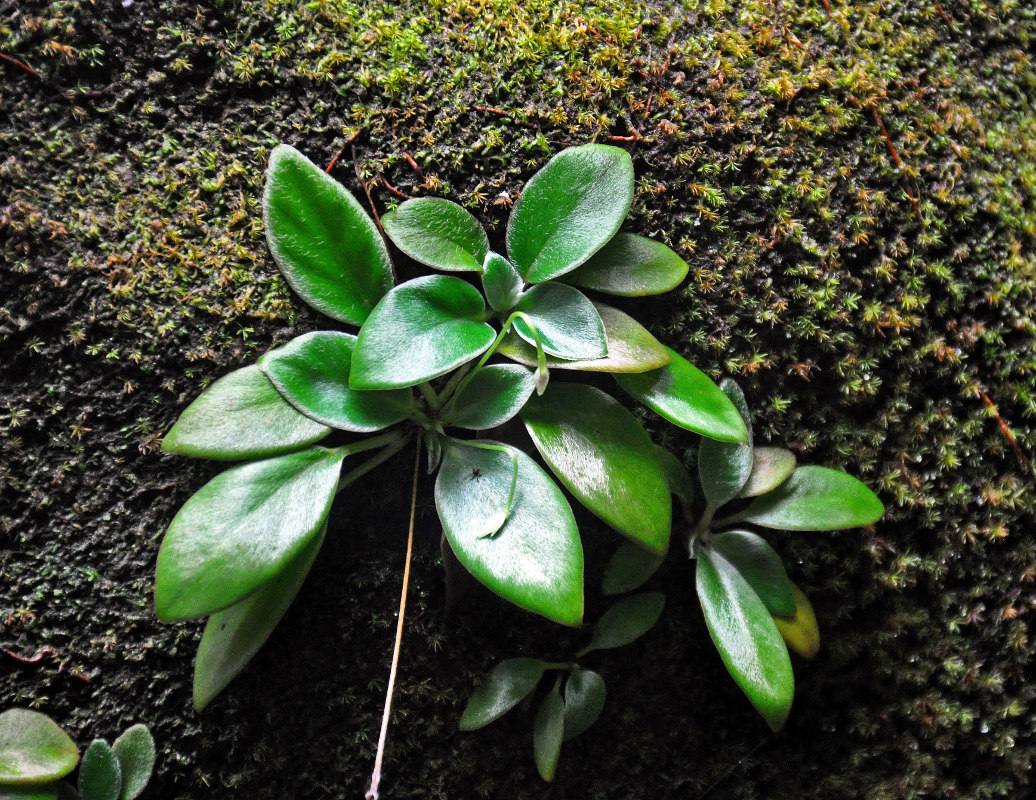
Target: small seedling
35,755
576,697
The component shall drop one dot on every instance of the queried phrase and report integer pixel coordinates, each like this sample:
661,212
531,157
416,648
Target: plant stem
702,527
429,395
373,443
372,793
374,461
451,386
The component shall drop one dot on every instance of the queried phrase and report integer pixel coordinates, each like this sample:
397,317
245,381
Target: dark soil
854,190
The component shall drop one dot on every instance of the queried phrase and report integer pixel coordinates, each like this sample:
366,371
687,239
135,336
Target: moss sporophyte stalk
439,359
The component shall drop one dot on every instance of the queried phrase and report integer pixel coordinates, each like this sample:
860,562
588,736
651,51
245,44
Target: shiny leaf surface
325,245
33,749
536,559
760,565
600,452
569,210
240,416
506,685
628,568
235,634
630,266
475,489
502,282
567,322
420,330
815,499
438,234
630,347
724,467
241,529
684,395
494,395
746,637
312,373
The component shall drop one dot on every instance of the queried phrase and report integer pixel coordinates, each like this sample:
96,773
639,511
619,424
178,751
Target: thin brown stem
372,793
370,202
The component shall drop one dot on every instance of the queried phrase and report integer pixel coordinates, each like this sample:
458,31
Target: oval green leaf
536,559
493,396
630,347
628,568
100,777
760,565
135,751
603,455
241,416
475,489
548,733
626,621
241,529
438,233
724,467
746,637
567,322
800,631
235,634
584,701
815,499
569,210
506,685
501,282
312,373
684,395
771,466
325,245
33,749
630,266
420,330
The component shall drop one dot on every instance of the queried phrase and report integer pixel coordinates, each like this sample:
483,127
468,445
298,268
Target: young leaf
567,322
506,685
235,634
438,234
604,457
684,395
631,266
630,347
324,243
33,749
536,559
626,621
494,395
548,732
800,632
100,777
771,466
501,281
312,373
584,701
746,637
420,330
628,568
474,492
724,467
760,565
569,210
241,416
135,751
679,479
241,529
815,499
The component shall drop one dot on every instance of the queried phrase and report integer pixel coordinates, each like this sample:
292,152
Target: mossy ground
853,186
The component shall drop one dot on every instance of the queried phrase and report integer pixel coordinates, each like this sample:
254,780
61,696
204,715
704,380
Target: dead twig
17,63
1022,458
